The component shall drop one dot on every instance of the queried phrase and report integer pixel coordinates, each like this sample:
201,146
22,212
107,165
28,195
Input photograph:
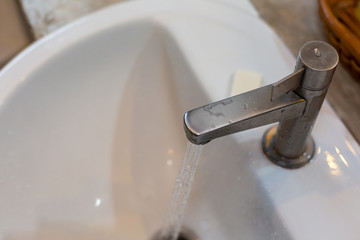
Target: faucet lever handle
287,84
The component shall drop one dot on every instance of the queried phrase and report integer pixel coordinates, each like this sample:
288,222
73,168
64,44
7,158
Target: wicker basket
343,30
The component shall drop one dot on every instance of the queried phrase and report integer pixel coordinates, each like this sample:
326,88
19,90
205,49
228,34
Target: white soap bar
244,81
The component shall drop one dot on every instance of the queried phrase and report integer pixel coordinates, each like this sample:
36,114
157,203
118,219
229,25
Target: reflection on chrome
334,167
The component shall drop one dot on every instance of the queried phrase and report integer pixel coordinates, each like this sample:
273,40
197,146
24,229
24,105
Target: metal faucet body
294,102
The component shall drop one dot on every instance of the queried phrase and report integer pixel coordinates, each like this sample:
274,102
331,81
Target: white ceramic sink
91,133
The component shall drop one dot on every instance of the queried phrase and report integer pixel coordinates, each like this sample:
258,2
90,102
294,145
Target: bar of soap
245,81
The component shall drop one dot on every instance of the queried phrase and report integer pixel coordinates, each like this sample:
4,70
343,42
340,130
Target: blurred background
24,21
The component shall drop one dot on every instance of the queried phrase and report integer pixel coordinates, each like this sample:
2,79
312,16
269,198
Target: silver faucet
294,102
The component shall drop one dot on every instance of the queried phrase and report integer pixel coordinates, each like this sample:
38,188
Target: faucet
294,102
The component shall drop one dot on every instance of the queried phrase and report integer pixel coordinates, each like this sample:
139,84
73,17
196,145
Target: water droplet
208,108
245,106
255,109
226,102
317,52
229,121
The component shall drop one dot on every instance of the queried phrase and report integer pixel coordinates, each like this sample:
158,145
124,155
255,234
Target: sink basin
91,132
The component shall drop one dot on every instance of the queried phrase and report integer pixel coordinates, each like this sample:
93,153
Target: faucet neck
292,146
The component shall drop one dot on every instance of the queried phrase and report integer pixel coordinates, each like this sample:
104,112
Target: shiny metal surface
275,157
320,60
287,84
248,110
292,134
294,101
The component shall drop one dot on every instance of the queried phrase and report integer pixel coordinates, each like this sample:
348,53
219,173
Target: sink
92,139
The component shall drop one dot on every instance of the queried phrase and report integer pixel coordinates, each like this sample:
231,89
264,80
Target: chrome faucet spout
294,102
248,110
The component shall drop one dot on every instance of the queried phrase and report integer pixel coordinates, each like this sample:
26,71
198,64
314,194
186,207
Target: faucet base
275,157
